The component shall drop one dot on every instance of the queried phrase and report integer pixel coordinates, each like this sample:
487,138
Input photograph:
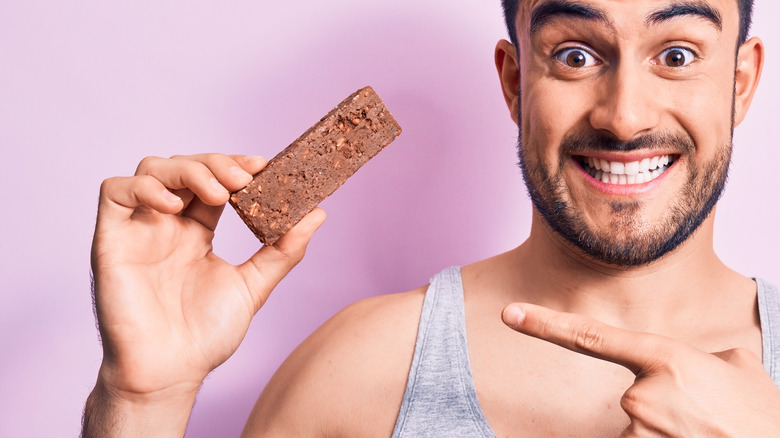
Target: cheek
550,110
704,109
703,104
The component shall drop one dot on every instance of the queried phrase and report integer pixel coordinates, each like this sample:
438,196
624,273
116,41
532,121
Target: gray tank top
440,398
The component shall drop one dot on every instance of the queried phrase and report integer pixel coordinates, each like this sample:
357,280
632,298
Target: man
626,110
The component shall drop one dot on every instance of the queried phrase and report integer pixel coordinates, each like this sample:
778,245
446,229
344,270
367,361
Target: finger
642,353
203,180
207,215
185,174
195,209
120,196
228,170
266,268
185,194
250,163
209,176
240,166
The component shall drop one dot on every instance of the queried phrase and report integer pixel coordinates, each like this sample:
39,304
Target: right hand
169,310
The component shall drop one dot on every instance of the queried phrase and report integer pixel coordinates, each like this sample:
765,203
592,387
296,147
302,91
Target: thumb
266,268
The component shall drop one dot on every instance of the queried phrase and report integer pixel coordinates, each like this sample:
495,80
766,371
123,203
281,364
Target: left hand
679,391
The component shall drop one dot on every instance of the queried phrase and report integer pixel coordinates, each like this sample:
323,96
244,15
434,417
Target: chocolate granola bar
315,165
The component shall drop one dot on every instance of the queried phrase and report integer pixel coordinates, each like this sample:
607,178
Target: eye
576,57
676,57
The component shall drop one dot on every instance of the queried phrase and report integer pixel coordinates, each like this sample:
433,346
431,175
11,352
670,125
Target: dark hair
745,14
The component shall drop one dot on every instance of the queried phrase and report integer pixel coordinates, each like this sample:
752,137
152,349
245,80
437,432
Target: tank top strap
440,398
769,314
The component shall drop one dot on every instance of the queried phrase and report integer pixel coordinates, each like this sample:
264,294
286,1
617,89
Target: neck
658,297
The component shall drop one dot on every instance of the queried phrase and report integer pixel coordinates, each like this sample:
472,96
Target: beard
629,240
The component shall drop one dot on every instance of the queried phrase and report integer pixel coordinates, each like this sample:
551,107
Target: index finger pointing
641,353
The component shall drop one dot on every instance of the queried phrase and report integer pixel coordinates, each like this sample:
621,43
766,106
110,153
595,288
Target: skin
667,348
169,309
624,91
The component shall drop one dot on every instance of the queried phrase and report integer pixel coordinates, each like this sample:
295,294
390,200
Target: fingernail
514,315
254,158
217,186
170,197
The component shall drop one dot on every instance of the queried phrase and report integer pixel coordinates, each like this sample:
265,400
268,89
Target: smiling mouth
624,173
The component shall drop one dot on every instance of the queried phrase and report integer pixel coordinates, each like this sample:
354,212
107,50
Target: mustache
592,141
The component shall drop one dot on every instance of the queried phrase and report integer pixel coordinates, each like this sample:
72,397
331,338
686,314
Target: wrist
113,412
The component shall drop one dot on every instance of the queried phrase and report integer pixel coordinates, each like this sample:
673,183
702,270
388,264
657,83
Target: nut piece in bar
315,165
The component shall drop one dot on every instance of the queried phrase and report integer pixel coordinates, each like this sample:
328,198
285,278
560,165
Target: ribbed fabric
769,314
440,398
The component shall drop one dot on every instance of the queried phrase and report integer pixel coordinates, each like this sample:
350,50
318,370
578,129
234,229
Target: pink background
89,88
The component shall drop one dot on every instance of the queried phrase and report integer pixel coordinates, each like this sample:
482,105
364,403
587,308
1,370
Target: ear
509,75
750,61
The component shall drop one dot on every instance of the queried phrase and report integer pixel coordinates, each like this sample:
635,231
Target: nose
627,105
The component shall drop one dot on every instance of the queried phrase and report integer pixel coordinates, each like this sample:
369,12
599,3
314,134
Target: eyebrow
546,11
697,9
549,10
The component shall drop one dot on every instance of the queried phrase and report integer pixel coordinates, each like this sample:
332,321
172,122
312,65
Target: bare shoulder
348,378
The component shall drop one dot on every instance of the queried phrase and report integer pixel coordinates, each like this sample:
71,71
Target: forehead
720,13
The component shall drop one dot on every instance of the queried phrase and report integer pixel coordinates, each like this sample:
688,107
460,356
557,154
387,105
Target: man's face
626,113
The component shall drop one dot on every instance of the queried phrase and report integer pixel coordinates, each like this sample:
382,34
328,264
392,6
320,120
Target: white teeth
654,162
621,173
644,165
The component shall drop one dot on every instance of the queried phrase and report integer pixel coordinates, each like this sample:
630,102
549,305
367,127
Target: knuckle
212,156
632,402
196,169
299,255
217,162
142,185
107,185
588,338
291,254
147,164
294,256
207,159
146,182
111,187
643,402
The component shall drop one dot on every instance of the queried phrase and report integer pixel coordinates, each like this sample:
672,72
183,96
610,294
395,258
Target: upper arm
348,378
